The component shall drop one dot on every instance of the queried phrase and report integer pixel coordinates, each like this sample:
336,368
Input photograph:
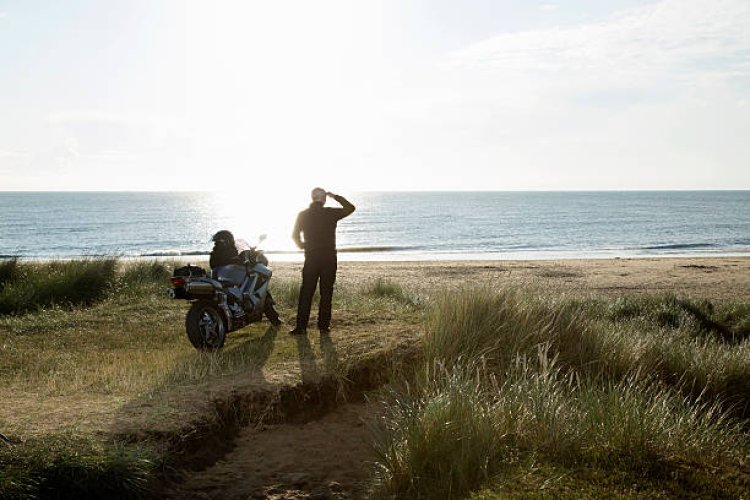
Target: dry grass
122,365
134,343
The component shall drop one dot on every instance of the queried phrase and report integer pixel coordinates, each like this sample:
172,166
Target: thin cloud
110,136
75,117
112,156
11,160
4,153
548,6
678,37
648,98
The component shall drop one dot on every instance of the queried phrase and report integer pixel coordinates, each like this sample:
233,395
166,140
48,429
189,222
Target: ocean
386,225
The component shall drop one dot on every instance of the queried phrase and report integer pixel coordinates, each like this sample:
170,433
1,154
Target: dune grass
65,466
511,380
439,439
32,286
8,271
385,288
726,322
460,428
144,274
595,339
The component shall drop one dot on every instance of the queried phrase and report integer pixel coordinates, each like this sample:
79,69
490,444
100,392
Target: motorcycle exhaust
200,289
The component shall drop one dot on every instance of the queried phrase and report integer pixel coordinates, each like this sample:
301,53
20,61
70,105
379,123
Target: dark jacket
318,226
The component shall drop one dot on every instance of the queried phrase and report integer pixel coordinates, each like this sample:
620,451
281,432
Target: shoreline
356,256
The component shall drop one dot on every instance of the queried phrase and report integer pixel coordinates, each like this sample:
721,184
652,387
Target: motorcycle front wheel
205,326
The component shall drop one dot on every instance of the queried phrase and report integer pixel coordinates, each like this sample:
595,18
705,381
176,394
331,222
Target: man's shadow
330,355
308,365
309,369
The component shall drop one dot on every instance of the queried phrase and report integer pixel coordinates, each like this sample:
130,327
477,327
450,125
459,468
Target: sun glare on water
251,213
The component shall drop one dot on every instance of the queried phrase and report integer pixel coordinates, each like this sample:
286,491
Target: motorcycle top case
190,272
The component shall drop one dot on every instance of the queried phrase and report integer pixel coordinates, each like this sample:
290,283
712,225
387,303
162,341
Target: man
318,226
225,253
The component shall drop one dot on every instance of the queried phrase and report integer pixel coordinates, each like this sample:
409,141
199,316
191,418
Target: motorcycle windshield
242,245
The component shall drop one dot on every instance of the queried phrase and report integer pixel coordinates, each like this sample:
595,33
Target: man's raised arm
346,207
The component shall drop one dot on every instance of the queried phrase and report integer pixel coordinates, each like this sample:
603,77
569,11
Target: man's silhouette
317,225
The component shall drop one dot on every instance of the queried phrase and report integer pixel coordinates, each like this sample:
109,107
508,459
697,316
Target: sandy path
324,458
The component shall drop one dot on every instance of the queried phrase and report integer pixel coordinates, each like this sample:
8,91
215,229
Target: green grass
726,322
32,286
137,275
8,271
440,438
511,380
457,429
387,289
286,292
594,338
66,466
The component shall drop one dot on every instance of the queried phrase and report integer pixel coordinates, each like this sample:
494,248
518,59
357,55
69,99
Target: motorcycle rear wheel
205,326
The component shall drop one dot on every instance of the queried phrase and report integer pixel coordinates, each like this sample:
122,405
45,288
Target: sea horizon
217,191
388,225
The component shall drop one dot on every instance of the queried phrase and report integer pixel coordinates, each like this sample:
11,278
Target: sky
353,95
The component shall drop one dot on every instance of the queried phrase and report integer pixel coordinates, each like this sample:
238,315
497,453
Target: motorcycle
232,297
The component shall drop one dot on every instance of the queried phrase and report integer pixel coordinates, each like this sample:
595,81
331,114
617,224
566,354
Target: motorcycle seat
230,275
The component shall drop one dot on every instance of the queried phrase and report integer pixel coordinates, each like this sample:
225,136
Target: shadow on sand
330,354
308,365
310,370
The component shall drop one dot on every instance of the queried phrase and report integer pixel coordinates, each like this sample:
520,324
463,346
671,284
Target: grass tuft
386,289
286,292
70,467
440,438
8,271
60,283
145,273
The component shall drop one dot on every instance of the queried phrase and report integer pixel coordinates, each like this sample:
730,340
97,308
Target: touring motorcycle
232,296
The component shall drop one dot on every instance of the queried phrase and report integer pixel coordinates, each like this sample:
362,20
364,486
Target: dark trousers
317,267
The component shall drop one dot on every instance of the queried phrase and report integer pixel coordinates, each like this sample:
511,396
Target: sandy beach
716,278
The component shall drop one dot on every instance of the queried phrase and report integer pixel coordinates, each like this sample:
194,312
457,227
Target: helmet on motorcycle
223,236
